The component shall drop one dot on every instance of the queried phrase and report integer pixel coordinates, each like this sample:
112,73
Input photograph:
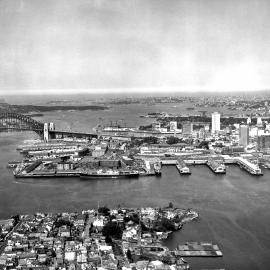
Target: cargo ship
109,174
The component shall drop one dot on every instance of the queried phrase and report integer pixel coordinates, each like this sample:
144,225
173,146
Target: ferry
109,174
157,169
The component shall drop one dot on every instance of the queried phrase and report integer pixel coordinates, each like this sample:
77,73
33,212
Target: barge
198,249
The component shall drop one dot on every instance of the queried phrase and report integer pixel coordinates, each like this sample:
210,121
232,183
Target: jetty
217,166
182,167
252,168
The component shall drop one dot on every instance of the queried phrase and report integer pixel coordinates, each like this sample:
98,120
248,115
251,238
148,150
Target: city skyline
105,46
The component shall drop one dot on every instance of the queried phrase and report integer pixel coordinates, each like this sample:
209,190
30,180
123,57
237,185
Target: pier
253,169
217,166
182,167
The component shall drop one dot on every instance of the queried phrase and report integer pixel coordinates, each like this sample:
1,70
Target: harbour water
234,208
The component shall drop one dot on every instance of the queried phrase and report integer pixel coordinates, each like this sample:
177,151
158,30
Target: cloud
113,44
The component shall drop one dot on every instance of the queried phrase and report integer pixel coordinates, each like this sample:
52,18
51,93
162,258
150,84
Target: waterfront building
244,135
230,150
215,122
201,133
156,126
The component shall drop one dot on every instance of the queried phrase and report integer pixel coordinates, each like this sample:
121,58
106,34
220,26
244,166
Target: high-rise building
243,135
187,128
259,121
263,142
215,122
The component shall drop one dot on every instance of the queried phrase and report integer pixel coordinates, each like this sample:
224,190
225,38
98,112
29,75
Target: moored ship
109,174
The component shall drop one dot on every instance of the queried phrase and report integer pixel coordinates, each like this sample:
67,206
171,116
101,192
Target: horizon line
125,90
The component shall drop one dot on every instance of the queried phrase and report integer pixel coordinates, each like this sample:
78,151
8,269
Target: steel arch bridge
15,121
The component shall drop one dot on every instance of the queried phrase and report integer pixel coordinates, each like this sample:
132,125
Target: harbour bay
234,208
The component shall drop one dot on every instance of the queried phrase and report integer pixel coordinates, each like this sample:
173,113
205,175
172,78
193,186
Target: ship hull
105,176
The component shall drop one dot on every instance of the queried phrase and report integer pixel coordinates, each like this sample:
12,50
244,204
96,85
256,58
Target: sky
95,46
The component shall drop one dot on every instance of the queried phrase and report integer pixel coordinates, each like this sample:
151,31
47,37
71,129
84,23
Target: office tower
243,135
187,128
263,142
215,122
259,121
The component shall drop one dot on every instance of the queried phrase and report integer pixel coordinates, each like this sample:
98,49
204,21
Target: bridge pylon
46,131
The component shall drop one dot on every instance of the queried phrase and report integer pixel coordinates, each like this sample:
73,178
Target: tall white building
259,121
243,135
215,122
173,126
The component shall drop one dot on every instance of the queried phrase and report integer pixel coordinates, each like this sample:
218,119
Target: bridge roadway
66,134
55,134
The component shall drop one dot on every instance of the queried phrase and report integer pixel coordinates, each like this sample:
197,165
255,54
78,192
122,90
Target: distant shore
36,108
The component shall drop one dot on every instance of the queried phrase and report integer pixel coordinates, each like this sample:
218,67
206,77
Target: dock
251,168
217,166
182,167
198,249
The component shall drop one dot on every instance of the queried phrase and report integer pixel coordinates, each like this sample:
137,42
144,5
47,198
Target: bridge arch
15,121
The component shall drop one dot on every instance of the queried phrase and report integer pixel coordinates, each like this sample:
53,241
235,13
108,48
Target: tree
204,144
104,210
167,224
16,219
108,239
135,218
113,230
62,222
172,140
129,255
